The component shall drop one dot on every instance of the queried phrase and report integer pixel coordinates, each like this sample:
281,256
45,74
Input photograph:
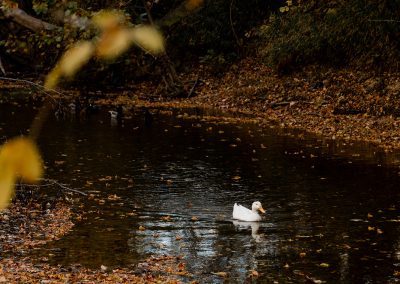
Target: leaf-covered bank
334,103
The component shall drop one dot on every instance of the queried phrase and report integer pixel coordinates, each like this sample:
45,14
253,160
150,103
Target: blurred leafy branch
19,157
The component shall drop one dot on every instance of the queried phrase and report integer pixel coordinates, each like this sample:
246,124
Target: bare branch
21,17
2,67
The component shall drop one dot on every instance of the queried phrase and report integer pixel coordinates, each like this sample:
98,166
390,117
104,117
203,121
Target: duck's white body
243,214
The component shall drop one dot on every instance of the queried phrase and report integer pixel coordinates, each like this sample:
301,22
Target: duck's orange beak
261,210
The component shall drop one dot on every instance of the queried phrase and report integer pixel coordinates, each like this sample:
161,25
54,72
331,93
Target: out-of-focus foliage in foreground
115,38
19,158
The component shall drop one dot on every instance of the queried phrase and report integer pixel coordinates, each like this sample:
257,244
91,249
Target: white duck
243,214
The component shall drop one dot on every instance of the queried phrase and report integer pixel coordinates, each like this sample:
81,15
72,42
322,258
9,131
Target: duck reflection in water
254,226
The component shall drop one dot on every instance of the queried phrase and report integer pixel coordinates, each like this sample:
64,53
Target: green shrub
357,32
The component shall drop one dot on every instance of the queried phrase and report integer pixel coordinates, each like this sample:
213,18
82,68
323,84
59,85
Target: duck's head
257,206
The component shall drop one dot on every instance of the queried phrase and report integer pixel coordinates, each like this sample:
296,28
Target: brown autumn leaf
142,228
166,218
220,274
254,273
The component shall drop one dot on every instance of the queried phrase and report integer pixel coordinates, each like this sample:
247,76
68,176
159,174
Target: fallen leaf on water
324,264
286,265
254,273
181,266
379,231
194,218
302,254
369,215
141,228
113,197
220,274
236,178
371,228
166,218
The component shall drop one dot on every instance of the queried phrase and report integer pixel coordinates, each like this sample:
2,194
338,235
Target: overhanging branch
21,17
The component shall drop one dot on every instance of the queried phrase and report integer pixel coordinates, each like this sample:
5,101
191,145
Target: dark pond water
332,207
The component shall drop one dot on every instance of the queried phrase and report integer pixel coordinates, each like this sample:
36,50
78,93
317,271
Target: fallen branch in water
52,182
63,186
33,84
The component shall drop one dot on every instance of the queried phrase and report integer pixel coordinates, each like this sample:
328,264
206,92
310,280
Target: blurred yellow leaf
108,19
7,180
148,38
113,42
75,57
22,157
193,4
52,78
71,61
323,264
18,157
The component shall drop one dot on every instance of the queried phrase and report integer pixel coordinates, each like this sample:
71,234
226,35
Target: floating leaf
220,274
148,38
324,264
